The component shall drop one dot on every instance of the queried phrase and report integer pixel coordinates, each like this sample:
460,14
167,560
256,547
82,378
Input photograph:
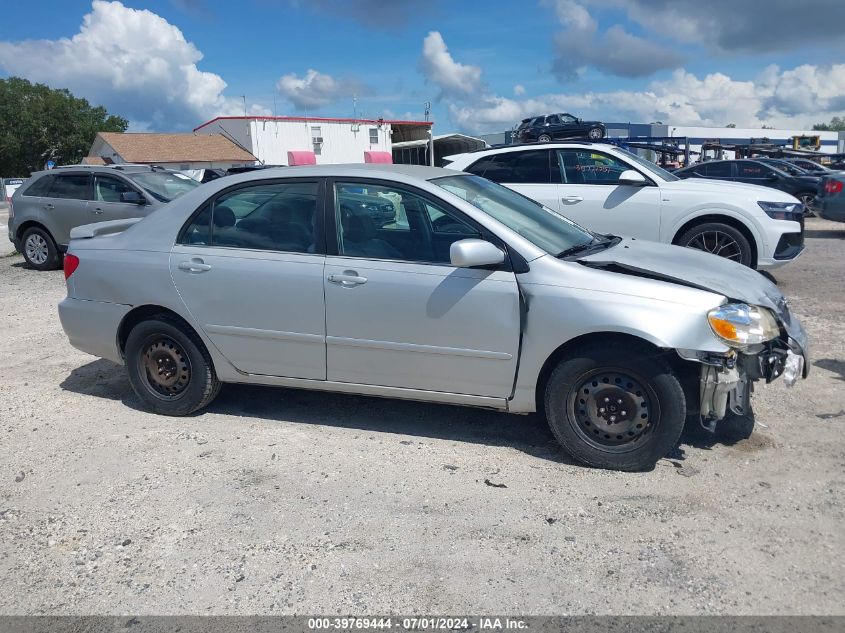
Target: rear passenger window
528,167
717,170
71,187
270,217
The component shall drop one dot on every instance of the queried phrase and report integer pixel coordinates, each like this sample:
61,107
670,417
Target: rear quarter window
38,187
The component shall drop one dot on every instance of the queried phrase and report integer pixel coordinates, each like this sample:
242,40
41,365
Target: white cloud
615,51
793,98
315,89
519,89
453,79
133,62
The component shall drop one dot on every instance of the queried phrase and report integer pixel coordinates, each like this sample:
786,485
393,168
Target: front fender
672,229
557,315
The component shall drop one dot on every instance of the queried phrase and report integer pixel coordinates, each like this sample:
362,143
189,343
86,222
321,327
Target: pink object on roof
378,157
302,158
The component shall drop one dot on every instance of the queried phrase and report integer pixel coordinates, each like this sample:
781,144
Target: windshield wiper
607,241
578,248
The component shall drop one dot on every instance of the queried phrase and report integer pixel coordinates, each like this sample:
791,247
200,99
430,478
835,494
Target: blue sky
483,64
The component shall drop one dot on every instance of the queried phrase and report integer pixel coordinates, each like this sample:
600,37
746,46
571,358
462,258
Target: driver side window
588,167
383,222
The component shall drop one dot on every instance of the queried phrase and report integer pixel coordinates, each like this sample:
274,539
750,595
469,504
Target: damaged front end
727,379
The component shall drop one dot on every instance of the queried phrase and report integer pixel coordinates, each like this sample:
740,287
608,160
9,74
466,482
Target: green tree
837,124
38,123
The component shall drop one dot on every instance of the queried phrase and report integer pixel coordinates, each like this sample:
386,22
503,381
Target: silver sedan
426,284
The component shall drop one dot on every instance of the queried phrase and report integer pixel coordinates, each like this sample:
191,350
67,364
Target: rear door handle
98,210
571,199
196,265
348,279
49,206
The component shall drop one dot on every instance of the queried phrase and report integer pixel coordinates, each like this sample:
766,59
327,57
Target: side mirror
472,252
632,178
132,197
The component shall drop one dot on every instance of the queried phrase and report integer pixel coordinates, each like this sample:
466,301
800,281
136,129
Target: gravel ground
285,501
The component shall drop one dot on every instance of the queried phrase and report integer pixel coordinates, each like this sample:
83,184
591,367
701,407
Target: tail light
71,264
832,187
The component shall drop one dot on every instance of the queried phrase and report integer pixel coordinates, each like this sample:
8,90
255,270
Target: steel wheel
717,243
613,410
165,368
36,249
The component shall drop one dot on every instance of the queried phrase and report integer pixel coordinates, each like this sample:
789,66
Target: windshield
538,224
164,186
647,164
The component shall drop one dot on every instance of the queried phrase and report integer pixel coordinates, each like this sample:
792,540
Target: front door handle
348,279
571,199
49,205
98,211
196,265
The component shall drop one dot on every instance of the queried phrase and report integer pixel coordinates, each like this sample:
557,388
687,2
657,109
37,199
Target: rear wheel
39,249
596,133
169,368
618,408
544,138
719,239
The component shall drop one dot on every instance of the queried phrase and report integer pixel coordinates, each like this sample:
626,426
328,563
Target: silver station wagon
427,284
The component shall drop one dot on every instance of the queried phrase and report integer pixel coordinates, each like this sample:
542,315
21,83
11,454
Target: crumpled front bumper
727,383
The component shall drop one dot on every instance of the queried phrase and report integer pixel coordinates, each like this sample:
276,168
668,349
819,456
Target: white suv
610,190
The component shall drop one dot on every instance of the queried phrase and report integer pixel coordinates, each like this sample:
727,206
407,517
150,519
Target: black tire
39,249
719,239
595,133
544,138
645,434
168,344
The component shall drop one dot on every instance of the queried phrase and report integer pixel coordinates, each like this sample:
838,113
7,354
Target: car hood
689,267
720,187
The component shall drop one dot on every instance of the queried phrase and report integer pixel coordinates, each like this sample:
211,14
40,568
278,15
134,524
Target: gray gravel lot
285,501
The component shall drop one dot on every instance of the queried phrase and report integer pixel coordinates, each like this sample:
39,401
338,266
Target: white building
290,140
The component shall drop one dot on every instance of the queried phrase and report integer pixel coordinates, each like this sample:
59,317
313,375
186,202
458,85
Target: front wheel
544,138
169,368
616,407
596,133
719,239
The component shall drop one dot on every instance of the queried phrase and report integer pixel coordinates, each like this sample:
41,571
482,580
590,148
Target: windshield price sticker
417,623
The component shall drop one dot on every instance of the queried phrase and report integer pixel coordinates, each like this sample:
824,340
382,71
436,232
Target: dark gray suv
48,205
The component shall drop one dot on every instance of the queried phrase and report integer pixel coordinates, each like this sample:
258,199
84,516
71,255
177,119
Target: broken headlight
740,325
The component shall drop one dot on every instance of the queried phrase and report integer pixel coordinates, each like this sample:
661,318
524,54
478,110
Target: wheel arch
145,312
28,224
739,225
618,338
